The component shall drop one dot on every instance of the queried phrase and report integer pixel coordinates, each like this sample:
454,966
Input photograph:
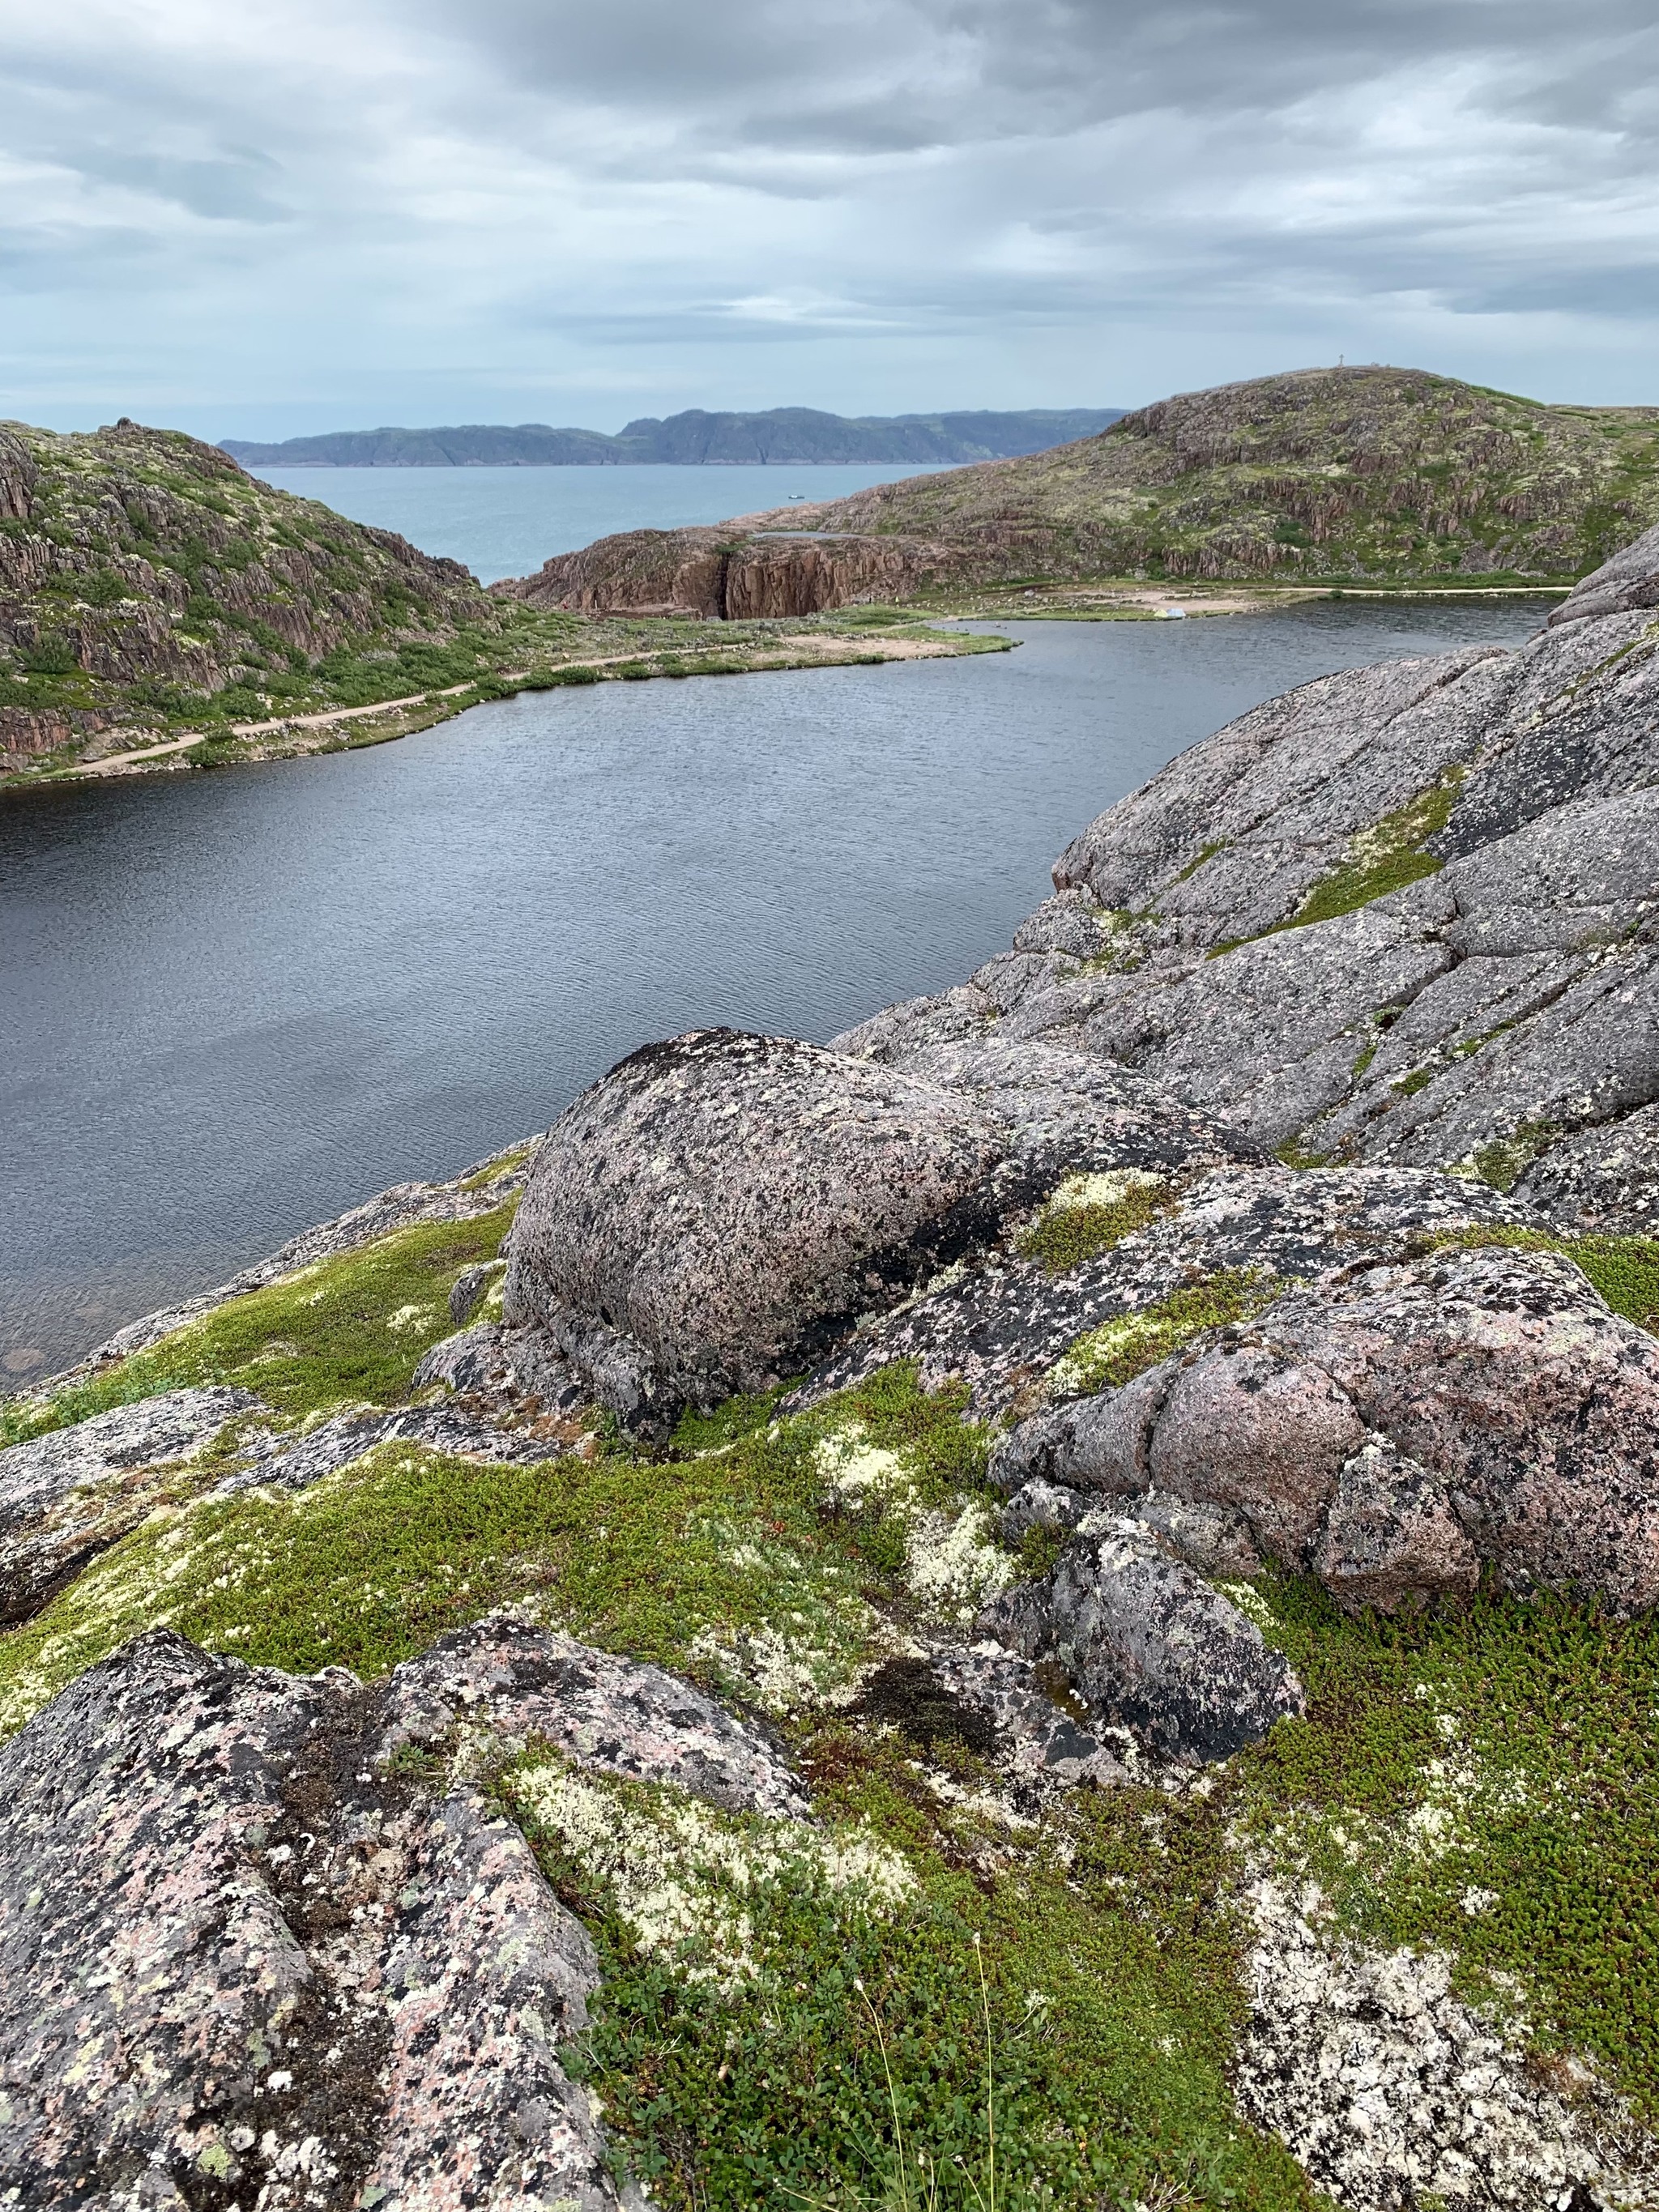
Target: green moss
500,1165
1290,1154
1364,1060
348,1331
1109,1991
1384,858
1624,1270
1409,1085
1503,1162
1208,854
1070,1229
1387,858
649,1556
1487,1782
1112,1355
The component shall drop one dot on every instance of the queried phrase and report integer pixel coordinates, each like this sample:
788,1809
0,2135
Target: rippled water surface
237,1003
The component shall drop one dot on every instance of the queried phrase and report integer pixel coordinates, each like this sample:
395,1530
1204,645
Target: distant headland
794,435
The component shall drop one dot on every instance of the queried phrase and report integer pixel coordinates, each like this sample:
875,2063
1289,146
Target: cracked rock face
1505,999
1150,1644
244,1957
1394,1426
1000,1327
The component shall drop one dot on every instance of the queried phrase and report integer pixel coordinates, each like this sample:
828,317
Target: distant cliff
1387,474
779,435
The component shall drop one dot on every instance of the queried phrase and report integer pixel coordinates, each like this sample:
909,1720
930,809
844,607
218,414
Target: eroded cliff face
731,572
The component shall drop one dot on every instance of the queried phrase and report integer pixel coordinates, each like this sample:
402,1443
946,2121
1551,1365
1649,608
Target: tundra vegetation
795,2015
1373,480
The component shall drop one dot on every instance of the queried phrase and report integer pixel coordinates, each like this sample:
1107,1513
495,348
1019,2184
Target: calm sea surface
506,522
236,1003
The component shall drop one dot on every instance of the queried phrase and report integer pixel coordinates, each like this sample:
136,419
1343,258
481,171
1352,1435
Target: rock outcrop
1401,915
262,1961
731,573
721,1210
1394,1427
67,1496
139,556
1149,1643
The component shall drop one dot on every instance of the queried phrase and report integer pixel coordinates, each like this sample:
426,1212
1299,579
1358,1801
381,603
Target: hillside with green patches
153,598
1364,473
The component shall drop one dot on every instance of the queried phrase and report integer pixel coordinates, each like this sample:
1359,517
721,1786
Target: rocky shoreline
1139,1472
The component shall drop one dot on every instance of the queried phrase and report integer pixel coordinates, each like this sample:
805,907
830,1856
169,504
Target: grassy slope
1504,1752
151,586
1380,474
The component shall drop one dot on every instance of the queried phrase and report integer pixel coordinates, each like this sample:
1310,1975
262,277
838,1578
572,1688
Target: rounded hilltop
1317,476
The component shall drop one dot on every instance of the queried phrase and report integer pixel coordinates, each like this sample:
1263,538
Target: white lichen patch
408,1317
855,1470
783,1668
1109,1189
1255,1607
951,1563
1390,2091
694,1887
810,1644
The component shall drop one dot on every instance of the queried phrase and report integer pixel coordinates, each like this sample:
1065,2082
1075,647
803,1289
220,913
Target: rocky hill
1381,474
695,438
139,567
153,596
1056,1602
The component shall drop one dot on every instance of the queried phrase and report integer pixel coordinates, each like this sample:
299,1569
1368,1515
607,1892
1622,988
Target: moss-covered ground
1487,1781
350,1331
1484,1782
1090,1214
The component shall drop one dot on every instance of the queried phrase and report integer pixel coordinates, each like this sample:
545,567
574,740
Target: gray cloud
322,210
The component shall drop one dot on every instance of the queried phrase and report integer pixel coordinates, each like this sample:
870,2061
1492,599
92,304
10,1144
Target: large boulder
722,1209
720,1206
245,1953
1394,1427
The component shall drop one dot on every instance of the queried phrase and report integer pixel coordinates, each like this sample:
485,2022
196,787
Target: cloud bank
313,214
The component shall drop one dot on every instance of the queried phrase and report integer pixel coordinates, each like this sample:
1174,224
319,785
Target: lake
238,1003
506,522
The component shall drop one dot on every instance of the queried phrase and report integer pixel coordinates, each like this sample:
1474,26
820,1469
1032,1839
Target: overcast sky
279,216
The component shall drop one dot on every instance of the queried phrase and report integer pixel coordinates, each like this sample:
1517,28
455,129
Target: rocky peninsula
160,610
1052,1603
1371,476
